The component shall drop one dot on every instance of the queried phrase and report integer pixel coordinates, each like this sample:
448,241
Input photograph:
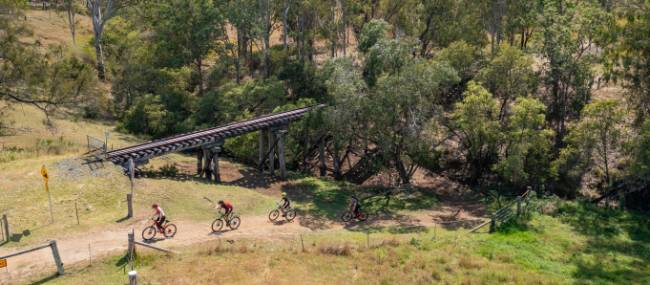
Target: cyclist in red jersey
227,206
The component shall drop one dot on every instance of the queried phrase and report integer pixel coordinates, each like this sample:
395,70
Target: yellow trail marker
3,263
46,177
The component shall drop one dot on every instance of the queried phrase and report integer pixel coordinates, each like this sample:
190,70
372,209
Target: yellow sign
3,263
45,177
44,172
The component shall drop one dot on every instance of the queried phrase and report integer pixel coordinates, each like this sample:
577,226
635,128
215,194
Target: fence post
57,257
518,206
302,243
131,247
133,277
129,204
5,227
493,225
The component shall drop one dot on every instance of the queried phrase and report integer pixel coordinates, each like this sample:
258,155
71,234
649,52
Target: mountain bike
233,222
349,215
289,214
168,230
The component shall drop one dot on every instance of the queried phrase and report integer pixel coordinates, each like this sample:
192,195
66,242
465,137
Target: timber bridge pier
209,142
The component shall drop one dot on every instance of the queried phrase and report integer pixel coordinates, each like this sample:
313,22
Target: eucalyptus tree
526,144
100,12
508,75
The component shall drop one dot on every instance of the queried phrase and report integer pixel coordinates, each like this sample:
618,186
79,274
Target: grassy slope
547,250
100,199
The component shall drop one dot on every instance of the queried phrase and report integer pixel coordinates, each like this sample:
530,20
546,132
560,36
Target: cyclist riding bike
284,204
159,216
355,206
227,207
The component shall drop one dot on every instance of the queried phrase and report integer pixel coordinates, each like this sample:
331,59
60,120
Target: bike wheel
149,233
362,216
290,215
170,230
234,223
346,217
217,225
273,215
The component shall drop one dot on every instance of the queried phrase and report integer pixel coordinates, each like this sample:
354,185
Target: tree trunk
238,58
199,71
72,21
267,35
285,24
101,69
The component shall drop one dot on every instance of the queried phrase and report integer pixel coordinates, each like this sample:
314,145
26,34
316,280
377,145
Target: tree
402,114
527,143
48,80
508,75
628,56
475,123
100,12
601,129
185,33
566,74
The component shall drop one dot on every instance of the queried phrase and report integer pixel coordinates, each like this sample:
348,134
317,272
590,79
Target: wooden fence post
518,206
76,211
302,243
133,277
131,247
57,257
493,225
5,227
129,204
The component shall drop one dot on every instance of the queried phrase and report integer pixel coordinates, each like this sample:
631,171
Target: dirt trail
74,248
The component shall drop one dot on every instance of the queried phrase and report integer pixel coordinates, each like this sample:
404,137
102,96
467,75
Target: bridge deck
204,137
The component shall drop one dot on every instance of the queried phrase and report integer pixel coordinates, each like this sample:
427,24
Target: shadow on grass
325,201
618,243
46,279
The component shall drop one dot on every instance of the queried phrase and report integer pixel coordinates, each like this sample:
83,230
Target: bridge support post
260,161
215,164
321,157
281,159
199,162
206,164
272,150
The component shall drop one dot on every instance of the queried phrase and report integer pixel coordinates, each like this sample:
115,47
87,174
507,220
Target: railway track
204,137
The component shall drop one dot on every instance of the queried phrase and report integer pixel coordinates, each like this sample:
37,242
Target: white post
133,277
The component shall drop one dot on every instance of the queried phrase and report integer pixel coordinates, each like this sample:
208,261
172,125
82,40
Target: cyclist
355,206
284,204
159,216
227,207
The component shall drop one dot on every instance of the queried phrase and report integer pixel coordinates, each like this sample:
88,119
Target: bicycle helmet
220,202
154,205
284,194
